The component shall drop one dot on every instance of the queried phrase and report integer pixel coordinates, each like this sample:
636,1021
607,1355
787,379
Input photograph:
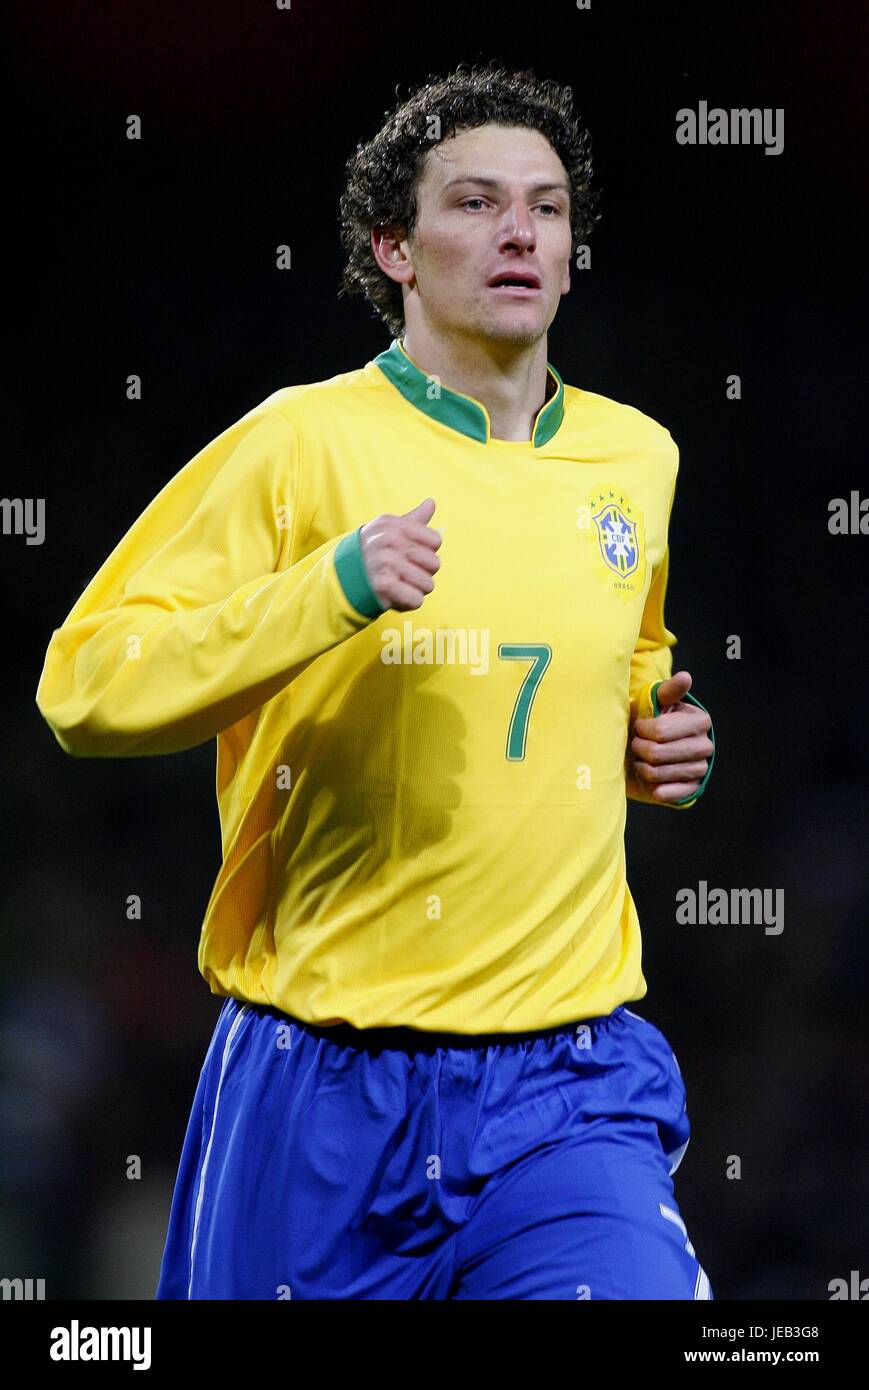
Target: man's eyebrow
487,182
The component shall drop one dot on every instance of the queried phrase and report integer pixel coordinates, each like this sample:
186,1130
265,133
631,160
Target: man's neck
511,386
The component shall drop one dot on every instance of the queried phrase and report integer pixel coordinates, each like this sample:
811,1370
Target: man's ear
391,253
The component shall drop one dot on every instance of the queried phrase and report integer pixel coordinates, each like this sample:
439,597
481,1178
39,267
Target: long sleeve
652,659
196,618
651,663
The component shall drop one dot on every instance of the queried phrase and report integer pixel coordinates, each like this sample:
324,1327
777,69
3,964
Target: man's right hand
399,556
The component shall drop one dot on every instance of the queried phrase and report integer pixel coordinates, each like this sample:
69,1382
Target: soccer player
424,1081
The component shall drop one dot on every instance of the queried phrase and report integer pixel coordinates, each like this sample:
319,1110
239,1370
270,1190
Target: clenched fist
670,755
399,556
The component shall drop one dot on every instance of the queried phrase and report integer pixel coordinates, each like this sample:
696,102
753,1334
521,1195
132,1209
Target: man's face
491,201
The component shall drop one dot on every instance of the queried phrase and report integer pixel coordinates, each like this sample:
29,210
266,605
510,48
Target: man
425,1081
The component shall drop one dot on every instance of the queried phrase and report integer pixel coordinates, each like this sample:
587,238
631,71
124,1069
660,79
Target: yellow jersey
422,813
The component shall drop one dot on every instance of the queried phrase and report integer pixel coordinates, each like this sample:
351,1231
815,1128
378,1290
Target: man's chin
515,331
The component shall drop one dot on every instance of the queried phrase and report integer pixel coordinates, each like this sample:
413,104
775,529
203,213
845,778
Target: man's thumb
423,511
670,691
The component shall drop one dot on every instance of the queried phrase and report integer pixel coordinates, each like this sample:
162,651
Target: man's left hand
670,754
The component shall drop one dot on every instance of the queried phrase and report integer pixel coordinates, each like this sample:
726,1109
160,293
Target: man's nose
520,228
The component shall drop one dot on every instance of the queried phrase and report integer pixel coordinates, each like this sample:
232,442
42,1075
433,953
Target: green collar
456,410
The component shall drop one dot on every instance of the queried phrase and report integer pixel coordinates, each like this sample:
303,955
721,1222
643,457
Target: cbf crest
614,528
617,535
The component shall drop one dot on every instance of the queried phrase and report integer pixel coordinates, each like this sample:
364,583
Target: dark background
157,257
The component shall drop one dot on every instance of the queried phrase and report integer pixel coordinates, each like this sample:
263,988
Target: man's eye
552,207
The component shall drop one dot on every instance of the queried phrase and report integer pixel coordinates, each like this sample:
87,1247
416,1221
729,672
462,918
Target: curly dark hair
381,176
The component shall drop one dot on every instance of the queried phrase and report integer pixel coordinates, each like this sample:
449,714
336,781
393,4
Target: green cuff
692,796
353,575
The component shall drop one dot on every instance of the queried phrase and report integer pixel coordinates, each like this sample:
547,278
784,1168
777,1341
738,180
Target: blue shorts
333,1163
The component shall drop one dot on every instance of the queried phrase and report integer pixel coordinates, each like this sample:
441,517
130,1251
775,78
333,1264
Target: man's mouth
515,283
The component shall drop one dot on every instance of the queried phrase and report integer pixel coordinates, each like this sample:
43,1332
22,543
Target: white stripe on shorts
702,1287
223,1061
